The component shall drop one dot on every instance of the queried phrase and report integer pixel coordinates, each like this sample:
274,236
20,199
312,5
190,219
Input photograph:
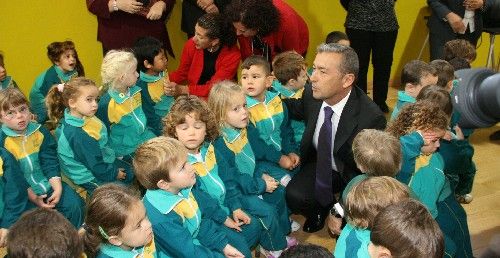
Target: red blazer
191,67
292,33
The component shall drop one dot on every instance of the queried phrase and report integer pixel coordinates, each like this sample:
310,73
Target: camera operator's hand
456,23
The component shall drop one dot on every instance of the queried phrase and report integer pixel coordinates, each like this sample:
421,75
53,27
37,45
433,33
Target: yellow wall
23,40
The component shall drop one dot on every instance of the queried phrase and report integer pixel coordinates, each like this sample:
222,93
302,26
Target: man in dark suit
334,111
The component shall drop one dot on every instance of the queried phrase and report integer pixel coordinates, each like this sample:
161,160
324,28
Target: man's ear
348,80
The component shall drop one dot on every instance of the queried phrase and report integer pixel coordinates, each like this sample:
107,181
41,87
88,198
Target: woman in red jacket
208,57
267,27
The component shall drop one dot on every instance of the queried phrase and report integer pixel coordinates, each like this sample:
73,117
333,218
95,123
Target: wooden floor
483,214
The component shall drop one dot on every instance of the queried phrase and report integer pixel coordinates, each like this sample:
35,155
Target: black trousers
300,190
381,47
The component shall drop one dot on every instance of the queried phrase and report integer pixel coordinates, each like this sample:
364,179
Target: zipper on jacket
30,163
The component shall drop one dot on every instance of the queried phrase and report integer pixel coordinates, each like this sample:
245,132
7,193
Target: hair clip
103,233
87,228
60,87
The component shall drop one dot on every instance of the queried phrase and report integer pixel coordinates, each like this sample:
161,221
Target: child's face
129,78
237,113
86,102
137,231
300,82
191,133
376,251
17,118
67,61
182,175
431,141
3,71
255,82
160,63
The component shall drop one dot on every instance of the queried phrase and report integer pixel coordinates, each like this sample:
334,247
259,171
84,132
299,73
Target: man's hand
473,4
156,11
129,6
456,23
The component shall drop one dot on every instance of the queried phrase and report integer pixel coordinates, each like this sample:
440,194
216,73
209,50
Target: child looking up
183,218
66,65
82,138
5,80
416,74
120,108
116,225
35,149
153,77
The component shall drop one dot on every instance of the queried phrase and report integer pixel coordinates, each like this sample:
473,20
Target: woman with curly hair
267,27
208,57
419,127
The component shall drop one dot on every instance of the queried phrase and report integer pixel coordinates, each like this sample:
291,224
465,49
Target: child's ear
291,82
115,240
162,184
269,80
147,64
71,103
384,252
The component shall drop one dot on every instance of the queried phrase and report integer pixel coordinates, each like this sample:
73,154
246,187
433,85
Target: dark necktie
323,186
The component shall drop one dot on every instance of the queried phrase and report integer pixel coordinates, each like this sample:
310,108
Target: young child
338,37
36,151
5,80
13,193
416,74
405,229
241,145
65,66
153,75
366,199
82,138
43,233
420,126
182,217
289,68
120,108
116,225
194,125
445,73
459,48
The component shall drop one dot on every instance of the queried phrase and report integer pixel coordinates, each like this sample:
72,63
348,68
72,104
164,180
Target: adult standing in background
267,28
194,9
454,19
372,28
121,22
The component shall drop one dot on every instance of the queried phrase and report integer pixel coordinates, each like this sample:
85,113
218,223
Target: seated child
405,229
445,73
43,233
35,149
416,74
365,200
116,225
242,146
289,68
193,124
459,63
120,108
183,218
65,66
13,192
459,48
82,138
153,76
5,80
338,37
420,126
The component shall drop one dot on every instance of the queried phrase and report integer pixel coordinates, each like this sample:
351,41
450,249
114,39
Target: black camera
477,97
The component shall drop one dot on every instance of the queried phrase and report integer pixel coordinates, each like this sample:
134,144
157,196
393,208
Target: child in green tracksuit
185,221
423,169
120,108
5,80
416,74
13,193
66,65
153,75
193,124
82,138
36,151
365,200
290,71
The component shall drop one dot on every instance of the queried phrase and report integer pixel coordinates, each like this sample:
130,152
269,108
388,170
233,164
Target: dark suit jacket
440,8
359,113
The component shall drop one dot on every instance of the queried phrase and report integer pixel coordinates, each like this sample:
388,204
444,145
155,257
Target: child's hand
156,11
121,174
169,88
459,133
230,223
448,135
231,252
271,184
239,215
56,184
428,136
38,200
334,224
129,6
3,237
285,162
295,159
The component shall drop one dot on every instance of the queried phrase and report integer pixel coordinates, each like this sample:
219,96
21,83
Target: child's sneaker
465,199
291,241
285,180
294,225
270,254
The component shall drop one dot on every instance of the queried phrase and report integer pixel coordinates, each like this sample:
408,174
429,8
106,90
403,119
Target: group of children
212,174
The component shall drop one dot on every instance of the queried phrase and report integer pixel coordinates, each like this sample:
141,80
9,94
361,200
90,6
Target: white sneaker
270,254
295,226
285,180
465,199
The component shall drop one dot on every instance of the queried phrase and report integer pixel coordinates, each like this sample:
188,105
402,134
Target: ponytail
55,105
